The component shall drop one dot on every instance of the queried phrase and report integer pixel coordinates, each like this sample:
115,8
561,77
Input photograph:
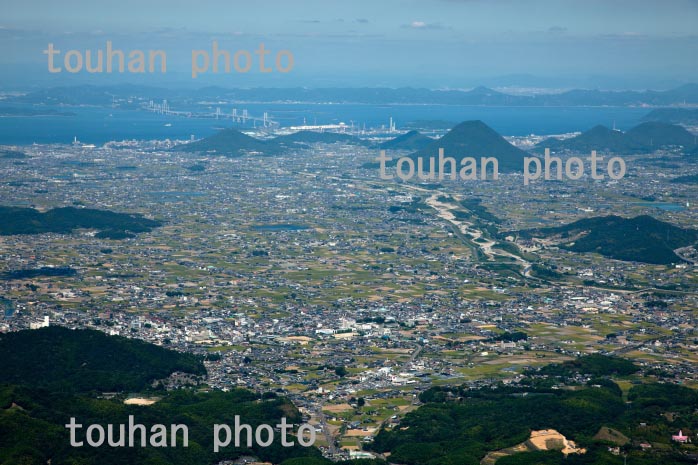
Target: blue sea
97,125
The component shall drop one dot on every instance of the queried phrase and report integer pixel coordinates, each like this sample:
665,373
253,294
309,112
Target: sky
428,43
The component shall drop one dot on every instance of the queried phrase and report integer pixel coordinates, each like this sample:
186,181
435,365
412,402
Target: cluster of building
305,274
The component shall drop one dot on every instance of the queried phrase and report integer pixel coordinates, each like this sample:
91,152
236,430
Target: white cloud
423,25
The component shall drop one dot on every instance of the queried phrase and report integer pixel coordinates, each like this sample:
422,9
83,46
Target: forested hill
58,358
641,239
474,139
50,375
579,399
21,220
643,138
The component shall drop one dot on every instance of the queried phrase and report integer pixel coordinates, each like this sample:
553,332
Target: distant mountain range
641,239
310,137
412,140
467,139
646,137
474,139
233,143
106,95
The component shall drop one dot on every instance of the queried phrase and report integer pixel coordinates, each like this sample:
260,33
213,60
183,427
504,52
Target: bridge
241,117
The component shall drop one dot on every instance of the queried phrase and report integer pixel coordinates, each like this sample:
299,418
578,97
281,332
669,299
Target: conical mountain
657,134
413,140
599,138
475,139
644,138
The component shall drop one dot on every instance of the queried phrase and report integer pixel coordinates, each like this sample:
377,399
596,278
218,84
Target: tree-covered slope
58,358
462,425
640,239
20,220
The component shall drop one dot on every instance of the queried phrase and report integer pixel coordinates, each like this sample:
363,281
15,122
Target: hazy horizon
436,44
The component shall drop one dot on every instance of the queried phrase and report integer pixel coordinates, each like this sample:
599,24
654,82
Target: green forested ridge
594,365
465,431
459,425
229,142
324,461
640,239
645,137
19,220
673,115
654,134
412,140
57,358
30,273
50,375
32,427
